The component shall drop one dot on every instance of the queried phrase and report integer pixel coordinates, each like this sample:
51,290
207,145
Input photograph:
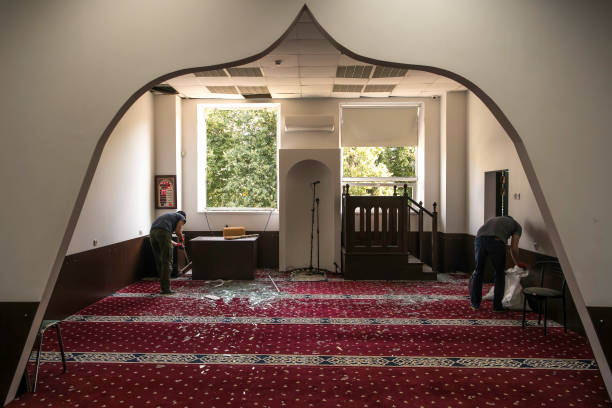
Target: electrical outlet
95,242
139,232
535,245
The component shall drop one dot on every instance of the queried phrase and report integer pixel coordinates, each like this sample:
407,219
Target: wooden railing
382,224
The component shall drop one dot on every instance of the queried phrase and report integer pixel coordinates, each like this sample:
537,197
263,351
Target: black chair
541,294
46,324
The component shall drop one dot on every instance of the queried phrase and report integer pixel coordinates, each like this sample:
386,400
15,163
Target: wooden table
218,258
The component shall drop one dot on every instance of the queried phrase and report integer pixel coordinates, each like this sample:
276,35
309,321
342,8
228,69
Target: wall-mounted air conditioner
309,123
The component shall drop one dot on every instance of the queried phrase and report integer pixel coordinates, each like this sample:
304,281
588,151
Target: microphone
316,182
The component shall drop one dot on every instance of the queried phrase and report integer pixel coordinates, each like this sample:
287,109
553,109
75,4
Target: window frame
202,153
412,182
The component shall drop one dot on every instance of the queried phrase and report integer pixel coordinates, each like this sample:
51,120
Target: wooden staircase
376,238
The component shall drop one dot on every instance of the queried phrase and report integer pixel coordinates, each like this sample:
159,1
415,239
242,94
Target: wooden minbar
218,258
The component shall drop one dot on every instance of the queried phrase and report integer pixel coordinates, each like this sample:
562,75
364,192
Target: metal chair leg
545,314
61,345
524,310
539,311
41,335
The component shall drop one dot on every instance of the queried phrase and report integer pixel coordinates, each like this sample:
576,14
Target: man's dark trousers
163,253
495,249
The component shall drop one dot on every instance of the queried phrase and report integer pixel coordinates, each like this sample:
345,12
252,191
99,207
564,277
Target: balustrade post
405,221
434,240
421,234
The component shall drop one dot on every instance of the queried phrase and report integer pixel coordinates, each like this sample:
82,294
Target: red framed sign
165,192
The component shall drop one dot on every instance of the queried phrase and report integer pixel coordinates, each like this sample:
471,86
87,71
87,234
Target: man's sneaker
475,307
502,310
166,292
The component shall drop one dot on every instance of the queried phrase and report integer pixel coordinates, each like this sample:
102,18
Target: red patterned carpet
314,344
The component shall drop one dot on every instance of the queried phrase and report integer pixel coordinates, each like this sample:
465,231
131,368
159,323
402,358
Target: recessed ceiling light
389,72
251,90
211,73
245,72
222,89
379,88
353,71
347,88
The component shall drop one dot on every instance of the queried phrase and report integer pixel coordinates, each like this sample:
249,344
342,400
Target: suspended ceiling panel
306,65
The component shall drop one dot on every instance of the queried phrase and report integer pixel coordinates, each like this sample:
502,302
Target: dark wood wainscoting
267,245
15,321
602,320
89,276
454,252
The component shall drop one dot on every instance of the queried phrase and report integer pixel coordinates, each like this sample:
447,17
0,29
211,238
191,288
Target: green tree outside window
241,158
368,162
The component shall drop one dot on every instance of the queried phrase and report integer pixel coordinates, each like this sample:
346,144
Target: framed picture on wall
165,192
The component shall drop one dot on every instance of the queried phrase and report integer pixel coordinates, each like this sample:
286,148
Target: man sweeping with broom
162,243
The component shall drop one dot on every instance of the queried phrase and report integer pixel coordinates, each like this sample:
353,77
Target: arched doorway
491,105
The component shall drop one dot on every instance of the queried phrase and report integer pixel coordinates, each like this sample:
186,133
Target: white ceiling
304,65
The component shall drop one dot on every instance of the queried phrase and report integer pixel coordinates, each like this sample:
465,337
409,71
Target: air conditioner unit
309,123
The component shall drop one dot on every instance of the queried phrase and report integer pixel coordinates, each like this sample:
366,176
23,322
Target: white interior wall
294,234
168,142
119,203
297,222
443,164
489,149
453,162
178,133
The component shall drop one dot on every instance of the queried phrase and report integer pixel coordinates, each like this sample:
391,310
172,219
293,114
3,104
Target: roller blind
379,126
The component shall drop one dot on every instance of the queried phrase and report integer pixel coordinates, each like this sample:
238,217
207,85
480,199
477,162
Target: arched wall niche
468,46
300,168
297,218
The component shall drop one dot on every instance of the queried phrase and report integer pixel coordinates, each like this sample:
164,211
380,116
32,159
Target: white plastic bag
513,292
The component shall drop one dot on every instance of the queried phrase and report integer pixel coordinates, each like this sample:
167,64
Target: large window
379,147
238,154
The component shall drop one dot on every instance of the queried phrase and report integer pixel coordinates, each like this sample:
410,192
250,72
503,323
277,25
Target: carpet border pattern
355,321
323,360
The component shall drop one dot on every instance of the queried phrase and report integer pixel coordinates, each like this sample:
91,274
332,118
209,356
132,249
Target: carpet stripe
322,296
304,320
323,360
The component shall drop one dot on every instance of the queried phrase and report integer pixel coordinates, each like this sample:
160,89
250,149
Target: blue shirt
168,221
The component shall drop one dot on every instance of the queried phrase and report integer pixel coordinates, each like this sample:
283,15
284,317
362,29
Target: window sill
235,211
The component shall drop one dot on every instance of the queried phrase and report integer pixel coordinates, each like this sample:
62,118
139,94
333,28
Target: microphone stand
314,189
315,208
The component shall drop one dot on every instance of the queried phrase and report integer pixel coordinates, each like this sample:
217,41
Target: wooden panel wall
89,276
15,321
